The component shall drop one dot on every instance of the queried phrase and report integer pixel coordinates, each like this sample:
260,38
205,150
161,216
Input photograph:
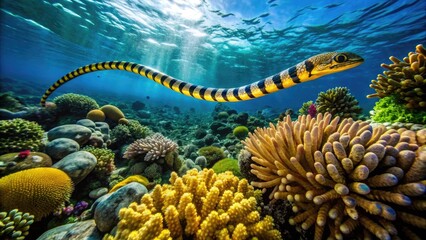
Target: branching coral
404,79
19,134
15,225
105,161
152,148
200,205
339,102
346,179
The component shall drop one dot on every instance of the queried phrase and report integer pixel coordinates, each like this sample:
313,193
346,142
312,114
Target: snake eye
340,58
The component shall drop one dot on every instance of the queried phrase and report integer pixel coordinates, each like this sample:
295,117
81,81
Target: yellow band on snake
310,69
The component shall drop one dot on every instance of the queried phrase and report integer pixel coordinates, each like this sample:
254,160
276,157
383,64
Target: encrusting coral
405,79
345,179
19,134
15,224
200,205
38,191
339,102
150,148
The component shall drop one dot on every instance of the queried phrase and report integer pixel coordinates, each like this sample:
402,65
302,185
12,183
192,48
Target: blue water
215,43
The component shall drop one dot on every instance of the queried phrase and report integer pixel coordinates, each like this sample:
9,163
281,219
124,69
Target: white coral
154,147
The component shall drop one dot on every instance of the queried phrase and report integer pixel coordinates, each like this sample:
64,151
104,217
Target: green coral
339,102
305,106
227,164
240,132
75,104
128,133
19,134
15,224
212,154
390,109
105,158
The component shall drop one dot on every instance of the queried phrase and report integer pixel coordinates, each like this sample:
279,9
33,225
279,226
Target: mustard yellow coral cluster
200,205
344,178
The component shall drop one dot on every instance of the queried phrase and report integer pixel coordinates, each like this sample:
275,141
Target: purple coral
312,110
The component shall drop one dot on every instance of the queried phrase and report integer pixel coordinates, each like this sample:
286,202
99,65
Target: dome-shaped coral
345,179
339,102
96,115
75,104
112,112
19,134
38,191
405,79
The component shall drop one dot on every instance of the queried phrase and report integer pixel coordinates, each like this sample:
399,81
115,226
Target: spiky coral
19,134
15,225
151,148
343,178
200,205
339,102
404,79
38,191
75,104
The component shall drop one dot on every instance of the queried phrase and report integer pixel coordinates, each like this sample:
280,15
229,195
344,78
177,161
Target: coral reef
151,148
14,162
105,164
405,79
134,178
75,104
96,115
200,205
15,225
390,109
339,102
240,132
227,164
126,134
39,191
345,179
305,106
112,112
19,134
212,154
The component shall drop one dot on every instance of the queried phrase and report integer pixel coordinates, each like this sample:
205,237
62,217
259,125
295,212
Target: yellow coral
200,205
112,112
38,191
134,178
96,115
343,178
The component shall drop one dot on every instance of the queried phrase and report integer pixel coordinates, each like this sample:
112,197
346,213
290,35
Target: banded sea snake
310,69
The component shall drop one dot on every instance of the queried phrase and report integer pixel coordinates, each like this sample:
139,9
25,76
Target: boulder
61,147
79,133
77,165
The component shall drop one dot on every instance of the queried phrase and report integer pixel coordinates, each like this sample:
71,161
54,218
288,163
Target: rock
11,163
87,123
61,147
77,165
97,193
85,230
108,206
79,133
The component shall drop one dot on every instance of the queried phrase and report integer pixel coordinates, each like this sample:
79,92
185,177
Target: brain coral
75,104
405,79
200,205
339,102
38,191
345,179
19,134
151,148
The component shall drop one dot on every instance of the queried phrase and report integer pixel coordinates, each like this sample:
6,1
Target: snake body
310,69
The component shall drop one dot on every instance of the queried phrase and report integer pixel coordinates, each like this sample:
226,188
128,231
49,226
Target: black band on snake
310,69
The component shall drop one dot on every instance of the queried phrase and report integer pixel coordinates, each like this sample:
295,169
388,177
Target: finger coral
200,205
339,102
344,179
19,134
15,225
151,148
405,79
38,191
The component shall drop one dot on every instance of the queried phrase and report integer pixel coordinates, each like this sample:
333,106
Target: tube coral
344,179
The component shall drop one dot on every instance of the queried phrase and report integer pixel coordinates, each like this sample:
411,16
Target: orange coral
38,191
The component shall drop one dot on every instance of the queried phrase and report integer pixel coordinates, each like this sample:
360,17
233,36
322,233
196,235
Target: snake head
331,62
